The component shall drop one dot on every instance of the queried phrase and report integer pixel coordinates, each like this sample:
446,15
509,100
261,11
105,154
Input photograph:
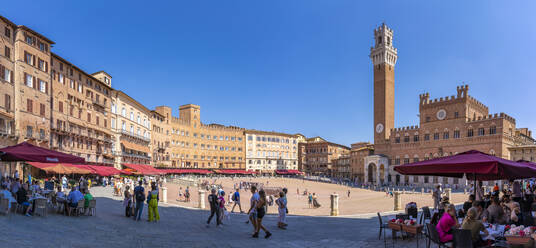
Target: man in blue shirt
72,199
139,196
236,199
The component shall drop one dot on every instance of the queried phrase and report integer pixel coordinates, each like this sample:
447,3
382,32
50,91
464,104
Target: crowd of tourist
511,205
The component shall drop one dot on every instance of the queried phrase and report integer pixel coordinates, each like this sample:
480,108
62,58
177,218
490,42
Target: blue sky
296,66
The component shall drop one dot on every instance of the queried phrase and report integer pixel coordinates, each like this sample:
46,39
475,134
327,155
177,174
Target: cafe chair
40,207
4,206
15,207
425,215
79,207
383,226
462,238
92,207
433,236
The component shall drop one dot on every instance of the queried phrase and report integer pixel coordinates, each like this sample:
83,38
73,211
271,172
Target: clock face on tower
441,114
379,128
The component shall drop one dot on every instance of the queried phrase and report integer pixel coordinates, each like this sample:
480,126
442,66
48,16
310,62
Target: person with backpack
214,207
236,200
139,195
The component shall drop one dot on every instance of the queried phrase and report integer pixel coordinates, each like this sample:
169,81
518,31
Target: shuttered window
7,103
29,105
7,52
42,109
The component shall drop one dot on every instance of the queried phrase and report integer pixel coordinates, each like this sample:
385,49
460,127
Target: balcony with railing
133,155
133,135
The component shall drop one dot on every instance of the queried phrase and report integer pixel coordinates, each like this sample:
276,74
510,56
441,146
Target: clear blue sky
296,66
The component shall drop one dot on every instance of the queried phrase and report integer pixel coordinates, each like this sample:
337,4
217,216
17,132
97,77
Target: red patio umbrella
473,164
30,153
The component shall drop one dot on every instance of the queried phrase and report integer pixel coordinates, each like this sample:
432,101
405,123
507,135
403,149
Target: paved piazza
184,227
361,201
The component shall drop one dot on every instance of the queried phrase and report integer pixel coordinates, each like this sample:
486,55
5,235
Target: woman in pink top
446,223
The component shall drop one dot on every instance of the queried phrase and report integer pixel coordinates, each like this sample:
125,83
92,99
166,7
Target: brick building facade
194,144
447,126
319,156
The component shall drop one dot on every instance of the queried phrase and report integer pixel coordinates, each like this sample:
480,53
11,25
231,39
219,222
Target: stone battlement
495,116
462,95
408,128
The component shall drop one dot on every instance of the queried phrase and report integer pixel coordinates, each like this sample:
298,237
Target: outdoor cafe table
415,230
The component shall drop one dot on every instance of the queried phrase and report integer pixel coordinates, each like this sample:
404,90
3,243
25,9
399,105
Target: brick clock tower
383,56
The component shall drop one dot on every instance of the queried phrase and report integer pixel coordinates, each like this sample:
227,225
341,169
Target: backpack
234,196
140,197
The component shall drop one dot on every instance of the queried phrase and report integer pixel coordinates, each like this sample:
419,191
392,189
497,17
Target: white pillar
398,201
201,199
448,192
334,204
164,194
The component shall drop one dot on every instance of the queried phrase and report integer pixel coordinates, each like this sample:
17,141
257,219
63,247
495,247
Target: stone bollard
422,191
164,194
448,191
201,199
465,191
398,201
334,205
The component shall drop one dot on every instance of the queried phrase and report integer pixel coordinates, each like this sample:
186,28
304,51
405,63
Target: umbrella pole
474,185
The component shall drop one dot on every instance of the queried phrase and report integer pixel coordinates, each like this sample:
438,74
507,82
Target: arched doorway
372,173
382,174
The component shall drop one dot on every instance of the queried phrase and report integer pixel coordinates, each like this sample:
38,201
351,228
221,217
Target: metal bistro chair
462,238
92,207
433,236
383,226
80,207
425,215
4,206
40,207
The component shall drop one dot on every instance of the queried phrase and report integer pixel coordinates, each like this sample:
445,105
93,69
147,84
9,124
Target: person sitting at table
469,203
7,195
494,213
87,197
35,187
22,199
479,206
15,186
447,222
475,226
515,215
72,199
516,191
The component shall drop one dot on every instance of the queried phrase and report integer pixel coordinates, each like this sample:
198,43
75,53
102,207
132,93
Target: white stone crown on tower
383,50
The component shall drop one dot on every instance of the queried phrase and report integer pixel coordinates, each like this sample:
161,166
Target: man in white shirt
252,212
64,182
